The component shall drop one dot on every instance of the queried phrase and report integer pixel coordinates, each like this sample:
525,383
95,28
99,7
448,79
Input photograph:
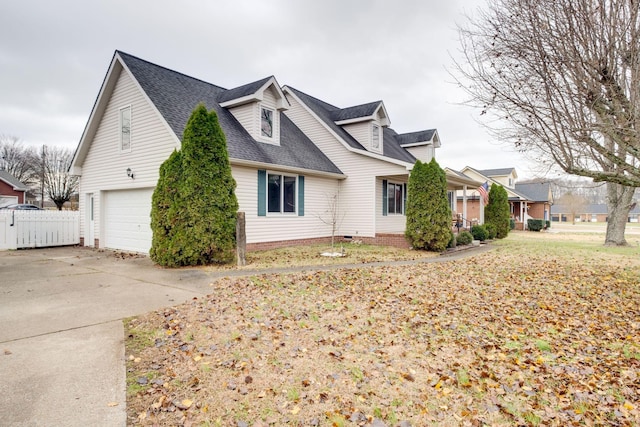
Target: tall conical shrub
497,210
428,212
200,220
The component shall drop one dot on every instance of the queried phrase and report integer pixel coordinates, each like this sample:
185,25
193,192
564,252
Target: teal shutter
301,195
404,198
384,198
262,192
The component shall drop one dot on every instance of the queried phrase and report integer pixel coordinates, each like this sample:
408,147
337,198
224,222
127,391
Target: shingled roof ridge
119,52
325,104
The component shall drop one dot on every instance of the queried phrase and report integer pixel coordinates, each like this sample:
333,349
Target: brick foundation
383,239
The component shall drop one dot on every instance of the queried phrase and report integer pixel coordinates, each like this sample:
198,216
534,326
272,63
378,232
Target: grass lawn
542,330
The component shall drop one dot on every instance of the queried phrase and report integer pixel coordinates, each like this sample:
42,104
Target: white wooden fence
37,229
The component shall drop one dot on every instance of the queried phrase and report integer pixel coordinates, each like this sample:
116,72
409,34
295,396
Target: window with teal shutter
262,192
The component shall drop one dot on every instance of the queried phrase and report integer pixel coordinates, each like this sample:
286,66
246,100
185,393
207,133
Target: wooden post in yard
241,240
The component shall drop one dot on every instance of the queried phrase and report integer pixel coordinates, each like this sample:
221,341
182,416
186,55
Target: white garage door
127,224
8,200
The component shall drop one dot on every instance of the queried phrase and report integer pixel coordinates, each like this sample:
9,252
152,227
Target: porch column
481,209
464,202
523,208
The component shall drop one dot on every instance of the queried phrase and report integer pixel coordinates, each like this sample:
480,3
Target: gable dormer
364,123
257,106
421,144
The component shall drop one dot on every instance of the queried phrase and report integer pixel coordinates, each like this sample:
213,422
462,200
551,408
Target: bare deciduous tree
560,79
17,159
53,165
574,204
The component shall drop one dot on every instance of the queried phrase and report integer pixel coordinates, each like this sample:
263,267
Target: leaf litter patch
522,341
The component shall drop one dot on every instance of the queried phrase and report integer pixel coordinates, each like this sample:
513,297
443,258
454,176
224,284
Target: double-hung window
125,129
281,193
395,198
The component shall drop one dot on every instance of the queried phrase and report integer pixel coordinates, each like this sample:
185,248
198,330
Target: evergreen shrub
535,224
464,238
491,231
479,232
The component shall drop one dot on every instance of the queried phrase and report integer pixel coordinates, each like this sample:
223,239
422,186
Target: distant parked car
22,207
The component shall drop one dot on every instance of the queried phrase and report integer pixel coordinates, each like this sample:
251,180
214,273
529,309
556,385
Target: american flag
484,192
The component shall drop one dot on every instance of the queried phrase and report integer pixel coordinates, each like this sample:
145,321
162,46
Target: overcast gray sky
54,56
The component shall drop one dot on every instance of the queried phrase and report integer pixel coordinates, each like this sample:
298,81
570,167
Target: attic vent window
375,138
125,128
266,122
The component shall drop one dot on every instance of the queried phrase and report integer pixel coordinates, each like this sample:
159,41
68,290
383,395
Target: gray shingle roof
496,172
364,110
326,112
175,95
240,91
12,181
535,191
413,137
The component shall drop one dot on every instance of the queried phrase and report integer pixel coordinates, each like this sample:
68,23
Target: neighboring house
526,200
11,189
294,157
588,213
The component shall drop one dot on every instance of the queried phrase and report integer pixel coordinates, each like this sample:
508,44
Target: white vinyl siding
424,153
361,132
361,192
245,114
274,227
105,167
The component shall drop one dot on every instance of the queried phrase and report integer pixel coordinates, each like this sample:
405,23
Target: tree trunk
619,202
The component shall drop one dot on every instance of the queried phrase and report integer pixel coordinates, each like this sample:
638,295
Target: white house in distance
292,155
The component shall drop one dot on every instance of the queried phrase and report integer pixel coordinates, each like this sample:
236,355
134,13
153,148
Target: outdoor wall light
129,173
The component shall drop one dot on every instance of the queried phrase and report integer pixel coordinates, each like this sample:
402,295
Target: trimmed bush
512,224
547,224
535,224
464,238
491,231
428,212
497,210
479,232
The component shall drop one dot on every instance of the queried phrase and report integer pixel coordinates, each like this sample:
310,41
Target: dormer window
266,122
375,138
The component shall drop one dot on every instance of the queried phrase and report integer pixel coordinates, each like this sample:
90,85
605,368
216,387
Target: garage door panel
127,220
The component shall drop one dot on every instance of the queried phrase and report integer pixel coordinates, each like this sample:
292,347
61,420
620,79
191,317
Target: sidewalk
62,342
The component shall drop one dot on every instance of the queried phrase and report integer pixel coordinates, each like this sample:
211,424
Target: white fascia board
386,121
254,97
408,166
416,144
281,103
271,166
100,104
355,120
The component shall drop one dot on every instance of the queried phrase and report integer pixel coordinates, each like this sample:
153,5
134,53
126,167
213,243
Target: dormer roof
499,172
253,92
421,137
360,113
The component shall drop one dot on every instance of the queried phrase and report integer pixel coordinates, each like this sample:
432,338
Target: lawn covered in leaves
538,331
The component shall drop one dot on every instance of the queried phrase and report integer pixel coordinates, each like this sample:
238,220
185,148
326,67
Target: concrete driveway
61,334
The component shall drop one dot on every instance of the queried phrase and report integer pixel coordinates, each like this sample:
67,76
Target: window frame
375,128
273,123
121,132
282,196
401,200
